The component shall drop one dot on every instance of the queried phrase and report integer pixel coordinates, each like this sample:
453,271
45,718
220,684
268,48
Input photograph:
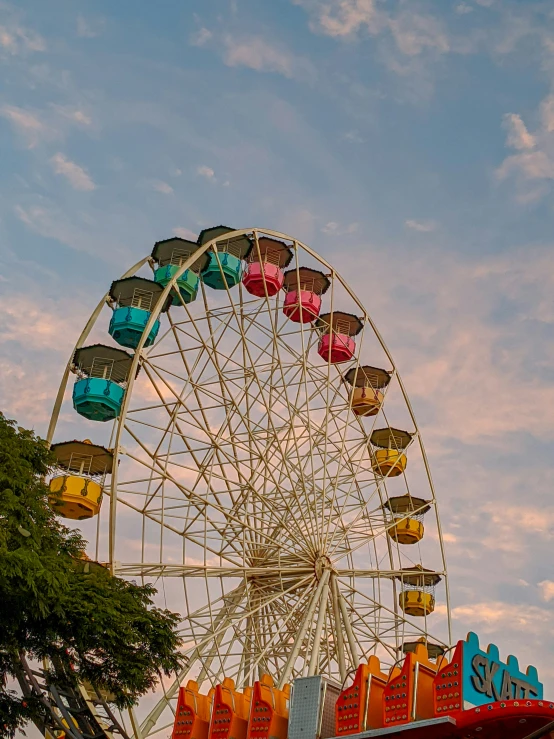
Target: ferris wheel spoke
180,402
380,531
190,495
158,569
198,541
197,499
303,628
222,529
269,412
379,606
359,636
280,632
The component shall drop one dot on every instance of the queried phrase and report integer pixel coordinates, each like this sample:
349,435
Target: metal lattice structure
244,486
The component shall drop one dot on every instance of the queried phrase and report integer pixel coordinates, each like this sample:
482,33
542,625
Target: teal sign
486,679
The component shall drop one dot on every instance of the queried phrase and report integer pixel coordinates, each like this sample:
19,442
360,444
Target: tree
89,624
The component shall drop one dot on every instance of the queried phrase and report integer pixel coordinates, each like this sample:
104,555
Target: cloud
206,172
496,616
352,137
89,27
16,40
547,590
536,165
518,135
262,55
201,37
36,336
463,9
532,167
469,373
74,115
407,43
78,178
341,18
416,33
25,123
48,125
412,32
421,226
334,228
161,186
185,233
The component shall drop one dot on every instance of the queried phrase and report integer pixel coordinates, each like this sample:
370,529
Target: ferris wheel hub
321,564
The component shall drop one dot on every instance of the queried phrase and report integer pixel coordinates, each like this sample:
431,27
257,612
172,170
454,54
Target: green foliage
54,604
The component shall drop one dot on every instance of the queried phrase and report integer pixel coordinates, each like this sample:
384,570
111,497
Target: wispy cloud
335,229
77,177
415,33
532,167
75,115
47,125
342,17
161,186
463,9
15,40
263,55
206,172
518,135
185,233
26,123
547,590
201,37
421,226
352,137
90,27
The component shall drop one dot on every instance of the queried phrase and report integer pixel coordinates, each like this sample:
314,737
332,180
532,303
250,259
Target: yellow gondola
404,517
76,488
367,383
389,460
417,597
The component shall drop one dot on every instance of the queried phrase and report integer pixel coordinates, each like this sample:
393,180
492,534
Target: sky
410,143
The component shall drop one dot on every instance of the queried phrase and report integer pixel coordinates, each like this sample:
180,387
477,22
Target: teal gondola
134,299
225,267
102,373
170,254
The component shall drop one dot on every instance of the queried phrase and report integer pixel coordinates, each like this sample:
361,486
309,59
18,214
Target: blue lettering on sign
486,679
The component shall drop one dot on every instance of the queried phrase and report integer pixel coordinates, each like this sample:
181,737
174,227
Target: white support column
339,644
302,630
349,632
314,657
225,616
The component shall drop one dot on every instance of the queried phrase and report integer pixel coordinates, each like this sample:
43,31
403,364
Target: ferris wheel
255,456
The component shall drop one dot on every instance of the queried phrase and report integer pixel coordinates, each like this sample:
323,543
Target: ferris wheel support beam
314,657
338,631
221,622
257,661
285,675
349,631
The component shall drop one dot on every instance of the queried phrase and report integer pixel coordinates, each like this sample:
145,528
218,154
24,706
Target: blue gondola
103,372
135,298
226,263
170,254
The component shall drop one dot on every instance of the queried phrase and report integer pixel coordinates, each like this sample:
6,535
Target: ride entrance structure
264,469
